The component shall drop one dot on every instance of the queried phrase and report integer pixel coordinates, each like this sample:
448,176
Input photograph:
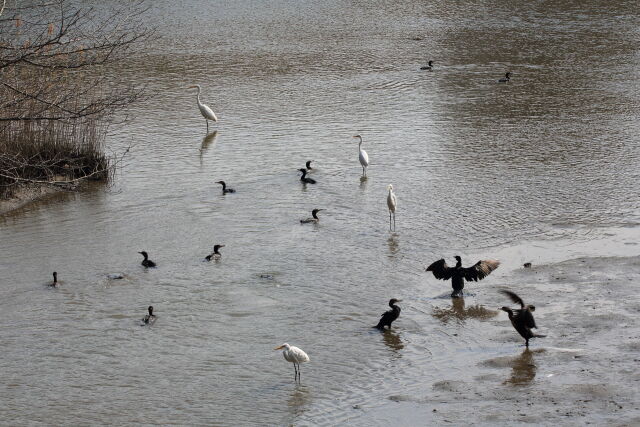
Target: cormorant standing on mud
521,319
390,315
459,274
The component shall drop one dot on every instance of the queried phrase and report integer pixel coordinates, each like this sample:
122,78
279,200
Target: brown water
543,169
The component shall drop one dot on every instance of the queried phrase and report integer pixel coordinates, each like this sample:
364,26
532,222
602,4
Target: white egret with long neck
294,355
392,203
206,112
363,156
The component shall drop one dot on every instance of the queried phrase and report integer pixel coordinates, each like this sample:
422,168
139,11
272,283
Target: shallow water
542,170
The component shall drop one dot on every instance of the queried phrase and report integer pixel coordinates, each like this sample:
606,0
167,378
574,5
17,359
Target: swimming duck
150,318
225,190
428,67
459,274
55,282
215,254
146,262
521,319
304,178
390,315
314,214
506,78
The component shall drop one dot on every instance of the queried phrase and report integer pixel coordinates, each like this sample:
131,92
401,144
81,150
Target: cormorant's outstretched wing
441,270
480,270
515,298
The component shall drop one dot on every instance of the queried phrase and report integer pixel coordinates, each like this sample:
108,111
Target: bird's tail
379,326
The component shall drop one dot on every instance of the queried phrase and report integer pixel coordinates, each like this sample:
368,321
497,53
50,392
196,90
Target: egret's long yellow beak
192,87
278,348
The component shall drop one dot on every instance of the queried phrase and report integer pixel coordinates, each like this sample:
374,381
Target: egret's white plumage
363,156
392,203
206,112
293,355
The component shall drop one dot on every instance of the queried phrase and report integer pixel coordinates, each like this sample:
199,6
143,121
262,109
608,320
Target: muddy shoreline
27,195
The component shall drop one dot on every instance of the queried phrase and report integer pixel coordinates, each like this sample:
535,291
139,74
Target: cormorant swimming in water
215,254
522,318
225,190
314,214
506,78
146,262
150,318
390,315
304,178
459,274
55,283
428,67
308,165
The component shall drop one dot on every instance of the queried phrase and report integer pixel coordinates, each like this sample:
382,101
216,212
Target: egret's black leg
394,222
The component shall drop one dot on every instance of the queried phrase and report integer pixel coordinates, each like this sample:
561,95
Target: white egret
506,78
363,156
392,203
206,112
294,355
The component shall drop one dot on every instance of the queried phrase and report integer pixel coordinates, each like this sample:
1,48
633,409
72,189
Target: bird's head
220,182
194,87
150,310
430,63
143,253
508,74
315,211
216,247
393,301
390,187
285,346
507,309
308,164
457,257
302,170
359,137
532,308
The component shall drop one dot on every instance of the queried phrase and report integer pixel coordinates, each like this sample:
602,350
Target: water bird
225,190
527,265
304,178
389,316
55,282
294,355
314,214
362,156
392,203
215,254
146,262
308,165
522,318
459,274
506,78
206,112
150,318
428,67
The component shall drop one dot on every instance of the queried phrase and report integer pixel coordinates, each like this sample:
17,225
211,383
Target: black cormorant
215,254
308,165
314,214
390,315
428,67
225,190
55,282
146,262
506,78
304,178
522,318
459,274
150,318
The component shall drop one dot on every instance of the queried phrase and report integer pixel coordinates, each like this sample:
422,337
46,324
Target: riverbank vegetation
60,90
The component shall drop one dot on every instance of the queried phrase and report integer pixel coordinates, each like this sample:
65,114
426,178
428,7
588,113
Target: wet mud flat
585,372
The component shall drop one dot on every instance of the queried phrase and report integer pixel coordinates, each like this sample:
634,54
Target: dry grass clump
51,152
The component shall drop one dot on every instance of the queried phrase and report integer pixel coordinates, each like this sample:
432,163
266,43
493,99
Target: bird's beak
278,348
192,87
321,210
140,253
222,246
399,300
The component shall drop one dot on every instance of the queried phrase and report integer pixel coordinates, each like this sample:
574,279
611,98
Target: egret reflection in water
299,400
461,313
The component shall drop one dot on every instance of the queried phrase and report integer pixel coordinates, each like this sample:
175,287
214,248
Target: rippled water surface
543,169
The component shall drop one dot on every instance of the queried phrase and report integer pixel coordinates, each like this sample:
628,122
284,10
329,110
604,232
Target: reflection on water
523,368
392,340
299,400
363,182
394,244
459,312
208,140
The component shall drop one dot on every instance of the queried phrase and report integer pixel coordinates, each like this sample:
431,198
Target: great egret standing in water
206,112
391,204
294,355
363,156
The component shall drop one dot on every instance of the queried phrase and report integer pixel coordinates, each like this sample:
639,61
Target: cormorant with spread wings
522,318
459,274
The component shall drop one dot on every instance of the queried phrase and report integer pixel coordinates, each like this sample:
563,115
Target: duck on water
146,262
304,178
150,318
459,274
225,190
215,254
314,219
